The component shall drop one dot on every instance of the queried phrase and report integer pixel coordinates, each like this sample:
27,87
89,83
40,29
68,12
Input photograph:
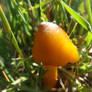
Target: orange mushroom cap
53,46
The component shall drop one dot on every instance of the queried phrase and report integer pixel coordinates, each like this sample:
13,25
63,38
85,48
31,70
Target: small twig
5,72
73,29
5,75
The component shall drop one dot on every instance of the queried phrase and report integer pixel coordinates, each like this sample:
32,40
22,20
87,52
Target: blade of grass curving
10,33
88,7
6,71
77,17
21,15
89,40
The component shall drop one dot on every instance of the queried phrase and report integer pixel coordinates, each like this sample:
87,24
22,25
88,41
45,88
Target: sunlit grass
19,20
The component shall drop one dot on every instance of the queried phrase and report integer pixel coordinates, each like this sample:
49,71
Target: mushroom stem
50,77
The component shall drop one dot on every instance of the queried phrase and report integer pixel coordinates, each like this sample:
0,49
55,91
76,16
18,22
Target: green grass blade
10,33
21,15
89,40
88,6
77,17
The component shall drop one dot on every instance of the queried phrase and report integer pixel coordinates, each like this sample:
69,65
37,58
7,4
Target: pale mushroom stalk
51,76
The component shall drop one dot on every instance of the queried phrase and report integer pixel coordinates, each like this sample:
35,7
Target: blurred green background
19,20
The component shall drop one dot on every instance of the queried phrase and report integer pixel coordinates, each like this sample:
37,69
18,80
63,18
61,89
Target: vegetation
19,20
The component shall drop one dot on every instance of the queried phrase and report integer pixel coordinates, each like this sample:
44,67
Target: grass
19,20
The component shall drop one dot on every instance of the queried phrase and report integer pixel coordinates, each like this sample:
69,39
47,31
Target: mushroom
53,47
